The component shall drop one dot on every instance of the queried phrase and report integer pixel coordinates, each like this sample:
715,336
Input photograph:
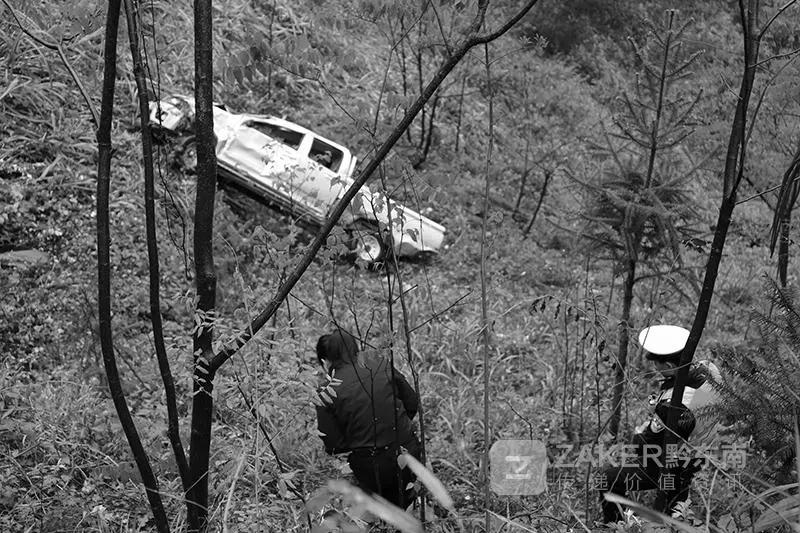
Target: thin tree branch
278,460
59,49
547,175
502,29
774,17
437,314
762,193
173,426
794,53
441,28
104,271
231,346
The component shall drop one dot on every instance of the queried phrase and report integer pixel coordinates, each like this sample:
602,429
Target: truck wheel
186,156
367,245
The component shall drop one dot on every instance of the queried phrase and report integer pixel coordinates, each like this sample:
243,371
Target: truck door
265,158
323,180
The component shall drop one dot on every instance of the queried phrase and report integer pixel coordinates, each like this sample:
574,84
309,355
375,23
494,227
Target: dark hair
336,346
674,358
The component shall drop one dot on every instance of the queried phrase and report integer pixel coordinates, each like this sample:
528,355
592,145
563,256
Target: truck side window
326,155
290,138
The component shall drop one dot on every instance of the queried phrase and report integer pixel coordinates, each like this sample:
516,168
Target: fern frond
761,392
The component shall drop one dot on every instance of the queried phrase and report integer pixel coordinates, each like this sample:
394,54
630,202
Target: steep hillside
541,124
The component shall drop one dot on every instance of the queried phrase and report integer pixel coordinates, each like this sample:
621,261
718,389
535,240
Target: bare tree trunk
429,134
547,175
797,443
524,178
407,334
404,67
173,432
654,130
622,348
415,378
420,83
782,221
460,111
104,269
783,249
485,324
205,274
732,175
59,49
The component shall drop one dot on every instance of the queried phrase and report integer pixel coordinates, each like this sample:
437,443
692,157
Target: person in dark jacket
649,470
367,411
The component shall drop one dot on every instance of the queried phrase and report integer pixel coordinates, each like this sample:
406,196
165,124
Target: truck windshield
290,138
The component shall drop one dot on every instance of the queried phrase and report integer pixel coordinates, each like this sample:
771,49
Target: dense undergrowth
553,308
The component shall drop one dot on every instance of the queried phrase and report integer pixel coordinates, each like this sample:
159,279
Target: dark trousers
377,472
672,485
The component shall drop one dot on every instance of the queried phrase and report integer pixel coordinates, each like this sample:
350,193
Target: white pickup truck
299,172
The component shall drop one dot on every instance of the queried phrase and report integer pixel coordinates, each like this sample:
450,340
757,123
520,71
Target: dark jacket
372,407
694,421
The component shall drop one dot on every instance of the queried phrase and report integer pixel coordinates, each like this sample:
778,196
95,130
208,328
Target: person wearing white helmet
663,345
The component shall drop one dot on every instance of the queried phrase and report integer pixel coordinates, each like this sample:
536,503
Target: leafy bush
761,394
